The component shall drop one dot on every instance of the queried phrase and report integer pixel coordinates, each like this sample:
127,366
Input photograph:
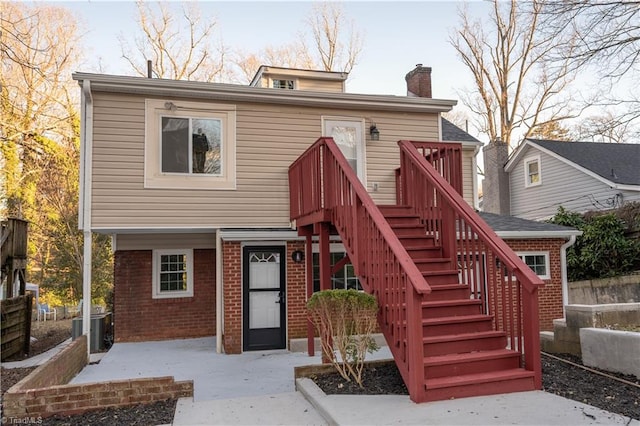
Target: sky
397,36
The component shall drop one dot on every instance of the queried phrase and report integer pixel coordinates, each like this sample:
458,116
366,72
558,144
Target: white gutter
511,235
86,144
563,272
219,293
241,93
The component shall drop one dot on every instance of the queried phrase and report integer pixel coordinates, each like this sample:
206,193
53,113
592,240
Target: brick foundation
45,392
139,317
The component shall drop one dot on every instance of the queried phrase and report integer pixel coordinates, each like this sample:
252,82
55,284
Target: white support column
219,293
86,289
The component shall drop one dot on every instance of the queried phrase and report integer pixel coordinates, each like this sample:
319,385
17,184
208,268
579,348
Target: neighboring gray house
542,175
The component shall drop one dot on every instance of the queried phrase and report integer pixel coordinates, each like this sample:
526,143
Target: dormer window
282,84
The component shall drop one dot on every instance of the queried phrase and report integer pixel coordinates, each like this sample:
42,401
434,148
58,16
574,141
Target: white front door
348,135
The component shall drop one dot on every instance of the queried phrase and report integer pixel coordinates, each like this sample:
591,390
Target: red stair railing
323,185
505,284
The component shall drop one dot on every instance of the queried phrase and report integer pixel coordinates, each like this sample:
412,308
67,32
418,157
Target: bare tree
180,47
606,127
38,56
515,87
552,130
337,44
332,43
608,41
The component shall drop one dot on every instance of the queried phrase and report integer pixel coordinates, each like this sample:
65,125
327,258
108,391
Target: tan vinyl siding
320,85
164,241
467,175
269,138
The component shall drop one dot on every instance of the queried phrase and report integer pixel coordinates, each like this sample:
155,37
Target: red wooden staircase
457,307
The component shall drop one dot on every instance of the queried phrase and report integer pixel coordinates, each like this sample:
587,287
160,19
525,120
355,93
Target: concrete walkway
257,388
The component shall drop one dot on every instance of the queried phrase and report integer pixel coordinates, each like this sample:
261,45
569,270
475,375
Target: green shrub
345,320
602,250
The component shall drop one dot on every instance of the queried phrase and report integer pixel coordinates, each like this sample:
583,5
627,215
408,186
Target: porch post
309,273
325,259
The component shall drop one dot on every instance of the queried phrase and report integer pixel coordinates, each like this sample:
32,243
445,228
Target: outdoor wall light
374,132
297,256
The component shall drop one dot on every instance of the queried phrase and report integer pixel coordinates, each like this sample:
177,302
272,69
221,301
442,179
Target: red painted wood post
309,264
415,346
531,335
325,268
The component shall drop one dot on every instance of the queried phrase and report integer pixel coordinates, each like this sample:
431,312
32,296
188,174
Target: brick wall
232,295
45,392
139,317
296,293
549,296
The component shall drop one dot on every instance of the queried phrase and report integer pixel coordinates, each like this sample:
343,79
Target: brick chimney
495,187
419,82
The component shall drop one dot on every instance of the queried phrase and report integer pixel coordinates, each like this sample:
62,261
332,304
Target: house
542,175
227,202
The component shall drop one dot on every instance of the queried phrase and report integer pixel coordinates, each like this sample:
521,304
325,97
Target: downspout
219,304
86,144
563,271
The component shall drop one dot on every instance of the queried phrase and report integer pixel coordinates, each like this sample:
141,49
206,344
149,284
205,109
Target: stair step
416,241
449,308
424,251
456,325
441,276
405,230
471,363
395,210
464,343
444,292
489,383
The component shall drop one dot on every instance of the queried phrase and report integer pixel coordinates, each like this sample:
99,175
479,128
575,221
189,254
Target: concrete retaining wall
611,350
566,332
624,289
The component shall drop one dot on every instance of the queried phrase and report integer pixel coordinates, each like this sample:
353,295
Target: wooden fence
16,326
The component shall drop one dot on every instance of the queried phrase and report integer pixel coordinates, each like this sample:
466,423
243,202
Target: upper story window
190,145
538,262
283,84
172,273
532,172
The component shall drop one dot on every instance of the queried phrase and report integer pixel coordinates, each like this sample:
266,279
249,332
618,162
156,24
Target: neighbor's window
189,145
538,262
283,84
345,278
532,172
172,273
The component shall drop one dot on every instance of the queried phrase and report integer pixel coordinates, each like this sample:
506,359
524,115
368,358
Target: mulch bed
558,378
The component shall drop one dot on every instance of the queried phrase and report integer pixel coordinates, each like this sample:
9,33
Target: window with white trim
343,279
282,84
189,145
172,273
532,172
538,262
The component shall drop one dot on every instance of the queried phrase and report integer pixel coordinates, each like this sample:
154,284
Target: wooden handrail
529,279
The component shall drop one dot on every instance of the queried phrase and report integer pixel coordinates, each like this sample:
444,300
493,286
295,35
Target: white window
538,262
172,273
282,84
189,145
345,278
532,172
